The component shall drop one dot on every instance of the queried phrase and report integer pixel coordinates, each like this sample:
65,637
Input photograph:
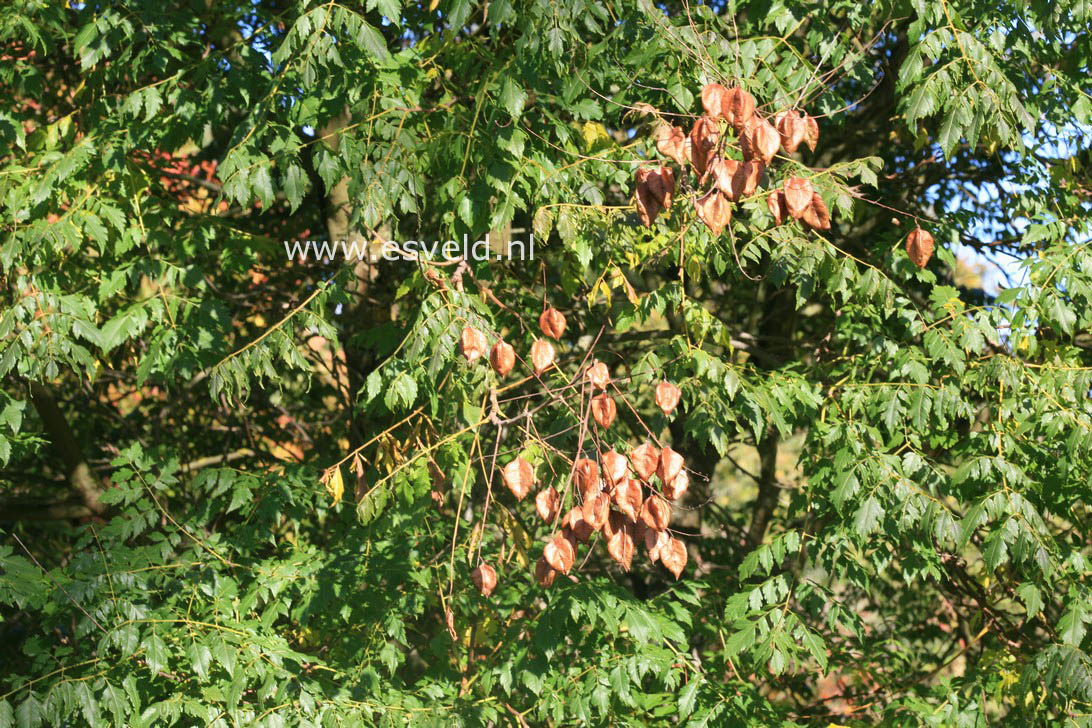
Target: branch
208,185
62,511
208,460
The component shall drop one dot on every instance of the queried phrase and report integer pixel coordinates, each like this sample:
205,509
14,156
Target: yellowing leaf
1008,679
335,485
518,536
472,544
486,630
620,280
594,134
599,287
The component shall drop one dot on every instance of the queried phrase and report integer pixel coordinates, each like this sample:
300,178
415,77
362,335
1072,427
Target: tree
248,486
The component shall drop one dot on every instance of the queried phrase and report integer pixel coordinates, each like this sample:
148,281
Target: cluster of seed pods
502,357
731,180
621,501
627,498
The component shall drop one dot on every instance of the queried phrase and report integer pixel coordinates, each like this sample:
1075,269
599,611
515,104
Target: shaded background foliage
894,524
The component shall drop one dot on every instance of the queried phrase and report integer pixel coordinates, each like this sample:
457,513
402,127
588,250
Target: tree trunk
77,471
768,492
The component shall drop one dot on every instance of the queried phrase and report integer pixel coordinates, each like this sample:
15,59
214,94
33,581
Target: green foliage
887,521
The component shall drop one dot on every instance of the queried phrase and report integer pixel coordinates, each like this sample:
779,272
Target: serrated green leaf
512,97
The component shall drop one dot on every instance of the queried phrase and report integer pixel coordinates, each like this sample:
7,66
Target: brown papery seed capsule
745,180
723,170
542,355
544,573
759,140
817,216
674,489
811,137
792,128
620,546
548,503
503,358
667,396
559,553
615,467
670,465
654,541
596,510
614,521
645,459
778,207
649,204
673,556
715,210
552,323
604,410
629,498
519,477
712,99
656,513
702,143
484,577
671,142
574,522
919,246
598,375
798,194
737,107
472,343
585,474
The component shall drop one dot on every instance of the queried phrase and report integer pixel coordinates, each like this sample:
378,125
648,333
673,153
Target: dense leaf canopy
248,483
